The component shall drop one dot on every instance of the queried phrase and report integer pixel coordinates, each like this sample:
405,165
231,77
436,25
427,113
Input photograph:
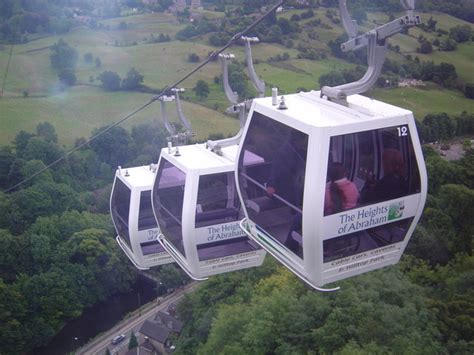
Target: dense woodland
58,251
58,254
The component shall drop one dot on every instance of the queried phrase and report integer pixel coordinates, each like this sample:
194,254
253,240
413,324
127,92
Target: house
160,329
170,322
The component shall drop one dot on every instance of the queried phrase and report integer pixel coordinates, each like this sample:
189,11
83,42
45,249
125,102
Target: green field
423,101
292,74
76,111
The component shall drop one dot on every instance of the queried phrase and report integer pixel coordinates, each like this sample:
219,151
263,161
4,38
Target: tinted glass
224,248
370,167
152,247
120,210
146,218
272,170
217,200
362,241
168,195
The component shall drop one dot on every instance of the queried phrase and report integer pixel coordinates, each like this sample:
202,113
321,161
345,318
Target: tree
461,33
333,78
114,147
13,309
431,23
40,149
170,276
448,45
458,202
110,80
47,131
445,73
63,56
132,80
441,126
21,141
202,89
469,90
238,78
67,77
426,47
6,160
133,343
193,58
98,62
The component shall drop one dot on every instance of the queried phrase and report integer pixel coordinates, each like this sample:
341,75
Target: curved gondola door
339,189
132,215
196,205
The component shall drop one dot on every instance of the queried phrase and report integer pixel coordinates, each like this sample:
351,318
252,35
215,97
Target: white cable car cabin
339,189
132,215
195,202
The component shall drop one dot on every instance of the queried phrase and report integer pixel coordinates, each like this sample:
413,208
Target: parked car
118,339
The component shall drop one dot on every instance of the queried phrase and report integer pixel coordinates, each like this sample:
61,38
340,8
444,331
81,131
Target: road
99,345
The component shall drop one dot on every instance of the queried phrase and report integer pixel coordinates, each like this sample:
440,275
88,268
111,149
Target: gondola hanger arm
376,42
164,115
231,95
184,137
258,83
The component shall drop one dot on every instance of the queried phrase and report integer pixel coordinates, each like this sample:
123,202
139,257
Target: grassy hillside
426,100
75,112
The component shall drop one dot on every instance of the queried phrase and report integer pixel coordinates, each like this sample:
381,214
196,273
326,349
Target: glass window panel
366,151
362,241
224,248
374,166
273,187
168,199
153,247
217,200
146,218
121,209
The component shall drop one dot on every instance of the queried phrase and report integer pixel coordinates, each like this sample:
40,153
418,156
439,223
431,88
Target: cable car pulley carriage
341,181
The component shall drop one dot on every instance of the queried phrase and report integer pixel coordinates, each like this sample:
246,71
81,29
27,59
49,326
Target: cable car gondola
342,181
132,215
343,192
195,199
195,202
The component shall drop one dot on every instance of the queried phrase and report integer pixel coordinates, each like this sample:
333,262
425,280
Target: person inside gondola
341,193
393,184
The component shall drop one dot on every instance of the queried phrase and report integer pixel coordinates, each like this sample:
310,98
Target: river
98,319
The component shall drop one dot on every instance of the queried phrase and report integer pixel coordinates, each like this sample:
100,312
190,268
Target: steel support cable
212,57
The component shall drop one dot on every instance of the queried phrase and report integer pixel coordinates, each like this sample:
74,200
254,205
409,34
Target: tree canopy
58,252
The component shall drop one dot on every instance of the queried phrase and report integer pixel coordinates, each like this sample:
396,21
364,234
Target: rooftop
169,321
155,331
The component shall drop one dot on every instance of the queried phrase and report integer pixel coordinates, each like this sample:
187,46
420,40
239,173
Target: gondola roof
301,107
138,177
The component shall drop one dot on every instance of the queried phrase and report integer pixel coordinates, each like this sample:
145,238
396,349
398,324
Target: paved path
98,345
